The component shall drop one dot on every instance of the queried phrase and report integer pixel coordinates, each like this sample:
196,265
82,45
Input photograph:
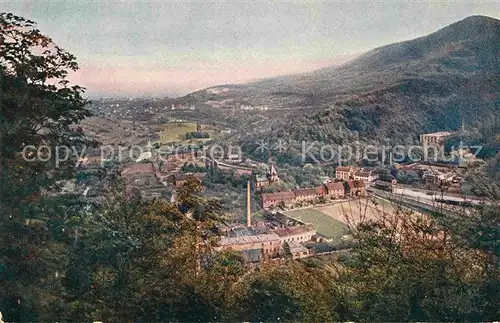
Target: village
298,222
332,161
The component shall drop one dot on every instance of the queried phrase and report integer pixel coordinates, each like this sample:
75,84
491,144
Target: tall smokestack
249,214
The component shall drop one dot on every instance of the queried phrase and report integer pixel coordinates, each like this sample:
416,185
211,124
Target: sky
160,48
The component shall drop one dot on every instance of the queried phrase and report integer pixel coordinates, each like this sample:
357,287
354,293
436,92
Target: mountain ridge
395,91
458,31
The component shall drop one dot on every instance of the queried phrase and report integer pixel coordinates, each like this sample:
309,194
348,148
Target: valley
302,188
392,94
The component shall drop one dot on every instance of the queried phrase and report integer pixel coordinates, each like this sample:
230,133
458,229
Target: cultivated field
324,224
175,132
358,210
117,132
172,132
331,220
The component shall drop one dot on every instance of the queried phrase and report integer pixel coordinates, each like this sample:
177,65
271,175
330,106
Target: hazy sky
171,48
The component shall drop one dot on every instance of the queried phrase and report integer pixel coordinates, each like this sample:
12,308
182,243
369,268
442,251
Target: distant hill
426,84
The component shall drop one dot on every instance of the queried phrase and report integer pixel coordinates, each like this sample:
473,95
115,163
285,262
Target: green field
324,224
174,132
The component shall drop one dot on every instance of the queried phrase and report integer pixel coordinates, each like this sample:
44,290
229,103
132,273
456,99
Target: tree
148,261
122,259
407,177
408,267
282,292
37,107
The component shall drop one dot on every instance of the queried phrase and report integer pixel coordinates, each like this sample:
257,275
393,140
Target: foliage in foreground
63,258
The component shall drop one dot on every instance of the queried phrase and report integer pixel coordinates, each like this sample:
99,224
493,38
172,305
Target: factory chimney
249,214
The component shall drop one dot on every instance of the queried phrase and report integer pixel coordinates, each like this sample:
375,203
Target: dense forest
65,258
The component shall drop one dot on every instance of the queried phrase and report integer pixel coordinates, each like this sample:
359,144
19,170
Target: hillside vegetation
67,257
396,91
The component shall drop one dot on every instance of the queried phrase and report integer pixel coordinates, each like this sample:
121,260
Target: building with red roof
273,199
335,189
332,190
345,172
137,168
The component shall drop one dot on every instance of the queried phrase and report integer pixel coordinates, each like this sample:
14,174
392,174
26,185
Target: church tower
272,173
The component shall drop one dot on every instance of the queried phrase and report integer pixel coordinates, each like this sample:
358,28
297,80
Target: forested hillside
397,91
64,257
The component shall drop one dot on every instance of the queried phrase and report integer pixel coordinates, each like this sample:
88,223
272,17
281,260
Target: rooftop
288,195
169,151
383,183
344,168
439,134
298,229
362,174
320,190
242,231
138,168
305,191
296,247
249,239
321,247
335,186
